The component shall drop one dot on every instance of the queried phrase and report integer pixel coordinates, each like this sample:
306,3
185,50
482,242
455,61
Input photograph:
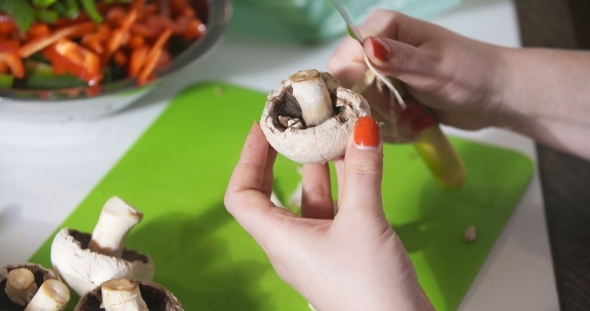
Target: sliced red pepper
102,33
38,44
161,42
38,30
195,30
11,46
8,27
137,60
3,68
143,30
149,67
58,68
94,41
136,41
120,58
65,22
15,63
77,60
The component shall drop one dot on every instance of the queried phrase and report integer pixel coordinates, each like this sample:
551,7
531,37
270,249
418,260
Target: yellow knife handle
438,153
440,157
434,147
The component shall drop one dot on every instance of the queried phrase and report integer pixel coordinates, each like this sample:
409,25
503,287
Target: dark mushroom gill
286,105
128,254
40,276
156,297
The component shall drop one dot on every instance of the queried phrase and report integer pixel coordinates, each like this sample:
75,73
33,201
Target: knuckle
363,167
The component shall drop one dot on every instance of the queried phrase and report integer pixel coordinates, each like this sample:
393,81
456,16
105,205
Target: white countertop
46,169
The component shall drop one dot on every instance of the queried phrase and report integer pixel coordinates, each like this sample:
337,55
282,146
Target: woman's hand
540,93
354,261
453,75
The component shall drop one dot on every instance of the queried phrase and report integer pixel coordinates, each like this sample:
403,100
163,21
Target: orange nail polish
366,133
422,123
381,50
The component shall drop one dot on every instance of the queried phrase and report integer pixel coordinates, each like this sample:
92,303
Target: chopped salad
48,44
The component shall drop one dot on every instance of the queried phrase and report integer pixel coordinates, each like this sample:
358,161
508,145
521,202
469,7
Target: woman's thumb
363,169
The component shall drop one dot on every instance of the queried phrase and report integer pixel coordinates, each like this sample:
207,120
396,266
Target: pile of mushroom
85,261
31,287
127,295
310,117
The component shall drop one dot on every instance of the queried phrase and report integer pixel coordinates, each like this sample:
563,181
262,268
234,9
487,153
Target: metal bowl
90,102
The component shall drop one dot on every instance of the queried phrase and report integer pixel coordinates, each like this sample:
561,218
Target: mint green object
178,171
314,21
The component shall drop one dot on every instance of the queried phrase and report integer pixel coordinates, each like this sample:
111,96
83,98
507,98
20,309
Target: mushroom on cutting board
128,295
85,261
310,117
31,287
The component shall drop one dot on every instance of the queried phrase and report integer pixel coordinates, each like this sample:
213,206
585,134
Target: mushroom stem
53,295
115,221
20,286
122,295
310,91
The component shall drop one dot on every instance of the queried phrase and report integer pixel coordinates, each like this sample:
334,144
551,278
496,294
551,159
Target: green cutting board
177,174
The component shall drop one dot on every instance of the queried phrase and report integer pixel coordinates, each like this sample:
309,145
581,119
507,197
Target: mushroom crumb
470,234
310,117
218,90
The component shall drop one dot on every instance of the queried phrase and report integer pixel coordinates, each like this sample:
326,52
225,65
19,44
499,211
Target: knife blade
352,29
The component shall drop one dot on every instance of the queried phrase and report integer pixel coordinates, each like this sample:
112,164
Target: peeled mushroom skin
283,125
157,298
82,269
41,274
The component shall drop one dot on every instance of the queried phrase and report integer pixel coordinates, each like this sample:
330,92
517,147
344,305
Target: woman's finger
244,198
363,170
339,166
268,178
316,199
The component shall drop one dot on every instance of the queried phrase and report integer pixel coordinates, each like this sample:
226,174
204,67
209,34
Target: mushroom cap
83,270
318,144
157,298
41,274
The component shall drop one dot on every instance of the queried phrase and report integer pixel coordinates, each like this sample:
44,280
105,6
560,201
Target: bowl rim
218,17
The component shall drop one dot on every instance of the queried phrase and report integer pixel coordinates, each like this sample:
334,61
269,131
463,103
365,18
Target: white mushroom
20,286
85,261
122,295
128,295
310,117
53,295
21,283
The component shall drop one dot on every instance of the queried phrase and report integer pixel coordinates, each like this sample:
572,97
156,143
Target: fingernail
366,134
410,113
381,50
422,123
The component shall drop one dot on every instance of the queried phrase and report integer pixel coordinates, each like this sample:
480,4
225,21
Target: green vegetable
46,16
6,81
351,33
41,76
43,3
90,8
42,81
20,11
60,8
72,8
40,58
